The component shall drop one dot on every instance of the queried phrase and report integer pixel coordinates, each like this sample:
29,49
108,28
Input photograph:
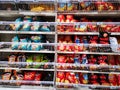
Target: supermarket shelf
21,13
85,33
27,69
92,13
26,63
91,23
95,53
6,87
25,51
53,13
26,32
47,13
88,65
25,81
78,33
59,23
32,69
88,85
9,13
9,68
85,71
39,23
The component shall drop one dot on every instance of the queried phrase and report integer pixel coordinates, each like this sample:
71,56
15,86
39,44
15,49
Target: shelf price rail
88,85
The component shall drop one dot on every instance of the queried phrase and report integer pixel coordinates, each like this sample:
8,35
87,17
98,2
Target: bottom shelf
70,85
26,88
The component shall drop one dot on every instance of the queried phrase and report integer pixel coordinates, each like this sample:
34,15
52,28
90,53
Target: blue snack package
36,39
27,26
29,45
35,47
35,27
45,28
15,44
23,44
16,26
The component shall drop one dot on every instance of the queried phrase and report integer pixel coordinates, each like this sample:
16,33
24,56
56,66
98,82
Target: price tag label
80,0
16,0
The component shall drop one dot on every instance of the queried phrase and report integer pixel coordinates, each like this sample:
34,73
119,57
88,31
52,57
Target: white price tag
80,0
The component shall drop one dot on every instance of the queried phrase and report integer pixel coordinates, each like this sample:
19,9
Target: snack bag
62,6
36,39
18,25
35,47
19,77
12,58
86,5
29,61
23,44
26,26
6,76
37,58
15,44
29,75
21,58
35,27
45,28
38,76
83,28
70,6
60,77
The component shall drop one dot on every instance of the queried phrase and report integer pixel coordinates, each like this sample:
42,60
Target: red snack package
118,78
60,77
60,28
38,76
112,79
29,75
61,59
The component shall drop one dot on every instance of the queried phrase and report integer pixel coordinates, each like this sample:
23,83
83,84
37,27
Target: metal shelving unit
26,51
54,13
25,32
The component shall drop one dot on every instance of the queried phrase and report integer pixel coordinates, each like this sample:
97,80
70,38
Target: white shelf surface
45,13
13,13
26,32
85,33
85,71
89,85
92,13
27,69
25,51
53,13
95,53
37,23
88,65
